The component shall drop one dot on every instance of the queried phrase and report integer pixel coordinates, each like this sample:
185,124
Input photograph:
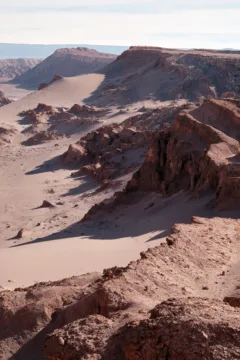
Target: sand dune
65,62
64,92
29,175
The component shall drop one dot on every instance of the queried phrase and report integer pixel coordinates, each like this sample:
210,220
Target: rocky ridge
195,156
117,149
143,73
130,313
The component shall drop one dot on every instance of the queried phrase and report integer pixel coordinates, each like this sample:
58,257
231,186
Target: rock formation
51,123
196,156
10,68
110,151
3,99
65,62
156,118
143,73
55,78
46,204
22,233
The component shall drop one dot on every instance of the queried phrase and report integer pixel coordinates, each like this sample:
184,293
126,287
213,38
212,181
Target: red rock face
195,156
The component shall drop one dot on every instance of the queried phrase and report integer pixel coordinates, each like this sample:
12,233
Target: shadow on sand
84,187
135,220
51,165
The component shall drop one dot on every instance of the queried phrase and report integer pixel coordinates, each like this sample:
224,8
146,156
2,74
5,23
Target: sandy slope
12,91
77,249
29,175
64,92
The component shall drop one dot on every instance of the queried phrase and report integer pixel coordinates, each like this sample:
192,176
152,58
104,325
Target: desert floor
57,245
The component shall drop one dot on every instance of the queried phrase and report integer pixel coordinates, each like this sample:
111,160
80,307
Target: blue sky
172,23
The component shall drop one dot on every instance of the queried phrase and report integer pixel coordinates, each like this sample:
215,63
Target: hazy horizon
15,50
176,23
12,51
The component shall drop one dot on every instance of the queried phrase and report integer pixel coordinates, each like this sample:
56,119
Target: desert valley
119,205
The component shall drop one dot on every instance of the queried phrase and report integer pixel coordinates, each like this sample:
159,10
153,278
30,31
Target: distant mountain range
10,51
10,68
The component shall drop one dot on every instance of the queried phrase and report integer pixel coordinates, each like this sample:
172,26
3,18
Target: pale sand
25,182
12,91
64,92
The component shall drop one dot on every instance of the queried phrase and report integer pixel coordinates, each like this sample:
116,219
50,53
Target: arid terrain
142,73
64,62
120,204
10,68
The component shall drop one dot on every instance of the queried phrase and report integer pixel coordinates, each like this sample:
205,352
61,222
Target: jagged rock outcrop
47,122
65,62
75,154
80,109
154,119
143,73
110,151
182,329
193,155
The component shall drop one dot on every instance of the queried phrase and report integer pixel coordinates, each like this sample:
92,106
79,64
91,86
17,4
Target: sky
167,23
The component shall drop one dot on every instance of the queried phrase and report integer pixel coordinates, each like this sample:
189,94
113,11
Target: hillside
65,62
10,68
142,73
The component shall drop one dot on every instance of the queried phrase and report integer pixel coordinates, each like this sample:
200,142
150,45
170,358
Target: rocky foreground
181,299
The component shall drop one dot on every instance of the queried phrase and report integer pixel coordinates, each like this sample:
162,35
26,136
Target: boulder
75,153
